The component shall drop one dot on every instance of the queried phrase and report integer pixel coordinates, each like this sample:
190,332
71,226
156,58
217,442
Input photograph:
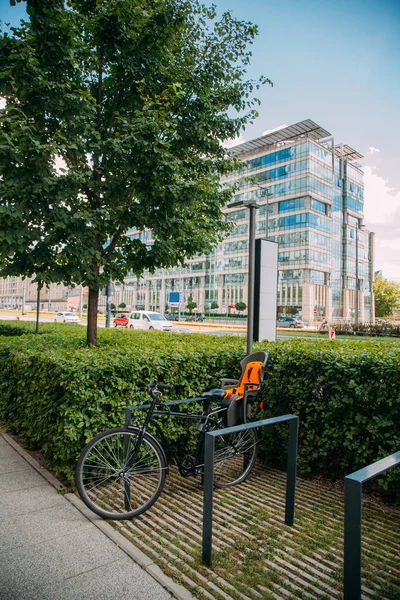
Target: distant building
311,194
15,293
312,204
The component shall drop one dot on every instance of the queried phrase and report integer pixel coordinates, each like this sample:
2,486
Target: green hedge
347,396
58,393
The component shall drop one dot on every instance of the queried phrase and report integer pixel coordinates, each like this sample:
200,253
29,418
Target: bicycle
121,472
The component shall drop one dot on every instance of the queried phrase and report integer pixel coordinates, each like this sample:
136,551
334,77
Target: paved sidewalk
49,550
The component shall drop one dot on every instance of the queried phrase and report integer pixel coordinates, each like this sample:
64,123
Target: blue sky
337,63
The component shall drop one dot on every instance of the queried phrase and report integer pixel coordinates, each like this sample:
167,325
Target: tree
122,305
191,305
214,305
240,306
387,293
136,98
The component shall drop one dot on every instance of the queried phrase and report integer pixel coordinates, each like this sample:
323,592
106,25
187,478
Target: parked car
66,317
197,318
121,320
144,319
292,322
172,317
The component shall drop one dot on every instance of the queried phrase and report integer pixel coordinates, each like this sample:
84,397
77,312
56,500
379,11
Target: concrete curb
119,540
34,463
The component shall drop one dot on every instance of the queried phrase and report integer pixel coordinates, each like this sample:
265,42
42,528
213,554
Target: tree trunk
92,317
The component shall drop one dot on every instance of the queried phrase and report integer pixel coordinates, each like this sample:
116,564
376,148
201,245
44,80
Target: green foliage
9,329
214,305
136,98
122,305
191,305
240,306
59,393
387,293
346,395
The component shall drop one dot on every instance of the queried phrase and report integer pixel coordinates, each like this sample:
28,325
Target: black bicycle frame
151,418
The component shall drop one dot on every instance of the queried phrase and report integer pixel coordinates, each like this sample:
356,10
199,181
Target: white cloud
382,215
373,150
274,129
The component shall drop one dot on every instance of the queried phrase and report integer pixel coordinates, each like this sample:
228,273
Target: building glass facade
311,195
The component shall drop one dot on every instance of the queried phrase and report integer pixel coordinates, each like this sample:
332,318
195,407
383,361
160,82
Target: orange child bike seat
251,377
250,380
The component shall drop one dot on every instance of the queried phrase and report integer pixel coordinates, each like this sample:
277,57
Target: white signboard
265,290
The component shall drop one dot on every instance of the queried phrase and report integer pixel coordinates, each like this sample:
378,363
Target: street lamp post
356,294
252,206
356,308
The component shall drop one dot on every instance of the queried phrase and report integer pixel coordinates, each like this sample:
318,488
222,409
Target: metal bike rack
352,522
209,450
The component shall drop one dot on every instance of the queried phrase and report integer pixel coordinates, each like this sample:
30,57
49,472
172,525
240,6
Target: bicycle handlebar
154,388
165,386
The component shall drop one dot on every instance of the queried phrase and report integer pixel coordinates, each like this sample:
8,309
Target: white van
144,319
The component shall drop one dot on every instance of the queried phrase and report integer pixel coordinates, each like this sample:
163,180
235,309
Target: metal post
39,286
209,449
108,306
356,294
291,471
352,539
23,297
352,521
250,300
80,301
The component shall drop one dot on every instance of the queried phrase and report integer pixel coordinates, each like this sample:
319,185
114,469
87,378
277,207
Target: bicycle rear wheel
234,458
109,484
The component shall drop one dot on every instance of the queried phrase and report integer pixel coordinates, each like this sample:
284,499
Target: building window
294,204
318,206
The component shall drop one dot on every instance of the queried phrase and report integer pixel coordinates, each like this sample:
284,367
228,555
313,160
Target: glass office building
311,198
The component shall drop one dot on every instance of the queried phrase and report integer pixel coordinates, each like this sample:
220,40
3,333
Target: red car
121,320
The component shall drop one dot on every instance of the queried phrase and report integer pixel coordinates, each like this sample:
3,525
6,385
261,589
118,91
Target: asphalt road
179,327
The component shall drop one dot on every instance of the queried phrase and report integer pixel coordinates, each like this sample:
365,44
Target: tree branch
110,249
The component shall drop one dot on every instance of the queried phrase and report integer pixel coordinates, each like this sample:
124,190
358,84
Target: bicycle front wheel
114,481
234,458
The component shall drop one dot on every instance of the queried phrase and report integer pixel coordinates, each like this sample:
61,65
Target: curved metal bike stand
352,522
293,421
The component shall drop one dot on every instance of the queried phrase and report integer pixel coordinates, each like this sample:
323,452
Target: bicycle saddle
216,393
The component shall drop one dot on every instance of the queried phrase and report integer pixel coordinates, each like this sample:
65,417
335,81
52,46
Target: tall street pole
356,294
80,301
108,305
39,287
252,206
250,301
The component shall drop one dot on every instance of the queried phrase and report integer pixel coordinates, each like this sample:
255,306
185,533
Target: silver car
66,317
292,322
145,319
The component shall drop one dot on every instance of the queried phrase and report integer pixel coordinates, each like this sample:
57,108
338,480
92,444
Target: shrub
347,397
58,393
